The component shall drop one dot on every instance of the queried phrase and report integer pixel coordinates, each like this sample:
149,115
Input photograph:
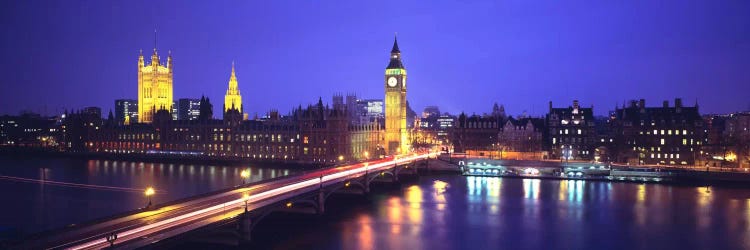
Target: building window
662,139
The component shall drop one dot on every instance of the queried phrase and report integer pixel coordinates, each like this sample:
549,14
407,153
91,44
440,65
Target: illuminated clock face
392,81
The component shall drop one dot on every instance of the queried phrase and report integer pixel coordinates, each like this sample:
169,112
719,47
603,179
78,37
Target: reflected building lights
562,190
493,186
531,188
577,191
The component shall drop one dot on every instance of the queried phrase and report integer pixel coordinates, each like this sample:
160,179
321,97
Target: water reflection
531,188
497,213
72,191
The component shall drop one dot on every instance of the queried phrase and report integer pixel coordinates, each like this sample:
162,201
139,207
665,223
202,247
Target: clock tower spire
396,138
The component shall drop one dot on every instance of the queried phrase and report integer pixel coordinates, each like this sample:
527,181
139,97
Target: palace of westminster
312,134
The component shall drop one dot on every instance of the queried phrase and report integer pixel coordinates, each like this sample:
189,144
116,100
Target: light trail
280,192
75,185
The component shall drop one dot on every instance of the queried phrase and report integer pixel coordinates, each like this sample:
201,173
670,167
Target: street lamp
367,155
341,158
149,192
246,197
244,174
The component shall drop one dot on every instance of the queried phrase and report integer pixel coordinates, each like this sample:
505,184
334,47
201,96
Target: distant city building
728,140
445,124
93,111
28,130
429,119
498,111
174,111
188,109
430,111
659,135
475,133
521,135
126,111
572,132
411,116
370,110
154,87
350,105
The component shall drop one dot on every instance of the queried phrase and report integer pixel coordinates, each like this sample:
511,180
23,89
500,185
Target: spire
233,82
395,62
141,63
395,49
154,40
169,59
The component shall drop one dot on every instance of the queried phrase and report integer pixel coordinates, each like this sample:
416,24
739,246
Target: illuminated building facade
658,135
396,138
474,133
28,130
233,100
154,87
572,132
728,140
317,134
521,135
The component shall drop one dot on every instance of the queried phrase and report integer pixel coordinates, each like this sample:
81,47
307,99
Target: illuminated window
566,131
579,131
662,141
684,141
662,131
655,131
684,132
554,140
669,132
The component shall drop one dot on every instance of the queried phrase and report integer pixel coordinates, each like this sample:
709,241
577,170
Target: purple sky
461,56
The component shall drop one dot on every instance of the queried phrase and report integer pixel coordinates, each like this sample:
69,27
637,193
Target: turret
169,61
154,58
141,63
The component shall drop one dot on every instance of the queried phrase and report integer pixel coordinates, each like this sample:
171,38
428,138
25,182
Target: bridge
244,205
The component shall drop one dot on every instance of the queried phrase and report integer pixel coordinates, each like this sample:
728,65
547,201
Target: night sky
461,56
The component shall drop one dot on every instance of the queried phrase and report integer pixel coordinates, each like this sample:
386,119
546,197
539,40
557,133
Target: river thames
439,211
79,190
458,212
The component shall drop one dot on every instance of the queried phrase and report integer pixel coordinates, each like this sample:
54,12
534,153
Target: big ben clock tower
395,104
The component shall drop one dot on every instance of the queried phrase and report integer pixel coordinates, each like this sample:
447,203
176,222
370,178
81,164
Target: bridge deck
148,226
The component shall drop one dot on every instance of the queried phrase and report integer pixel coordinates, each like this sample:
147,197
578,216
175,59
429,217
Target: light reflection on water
39,206
458,212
